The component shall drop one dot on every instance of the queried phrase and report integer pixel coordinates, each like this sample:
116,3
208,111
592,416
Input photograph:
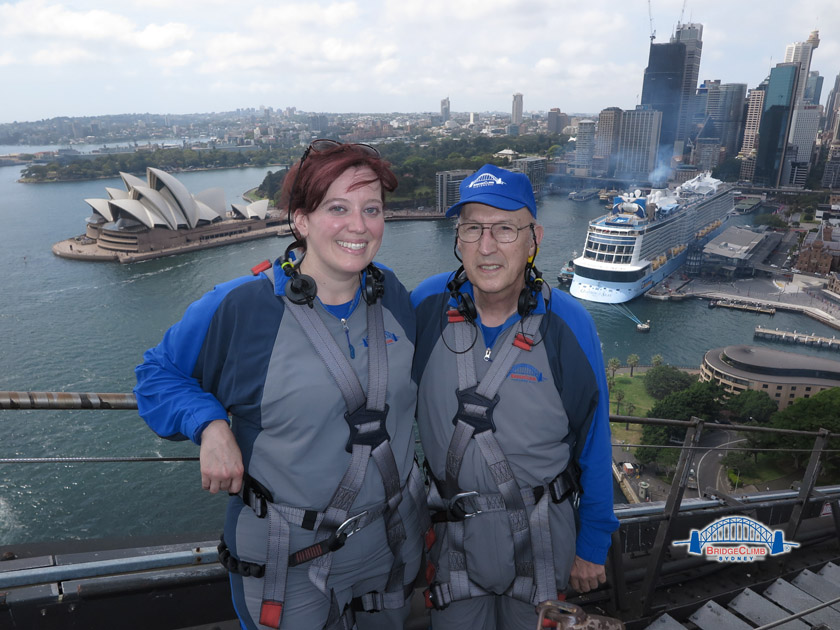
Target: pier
743,306
797,337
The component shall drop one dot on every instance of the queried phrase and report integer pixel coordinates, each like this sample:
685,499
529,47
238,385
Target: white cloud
158,37
61,56
388,54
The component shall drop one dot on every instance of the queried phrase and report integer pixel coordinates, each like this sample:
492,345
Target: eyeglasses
502,232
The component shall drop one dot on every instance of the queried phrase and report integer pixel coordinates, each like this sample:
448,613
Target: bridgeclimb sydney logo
485,179
526,373
737,539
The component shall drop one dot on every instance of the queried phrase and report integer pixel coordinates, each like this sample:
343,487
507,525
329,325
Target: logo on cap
485,179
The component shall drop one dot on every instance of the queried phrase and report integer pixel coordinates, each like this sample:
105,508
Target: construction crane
682,13
650,17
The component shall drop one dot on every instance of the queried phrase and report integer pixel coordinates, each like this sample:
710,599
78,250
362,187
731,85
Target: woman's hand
221,459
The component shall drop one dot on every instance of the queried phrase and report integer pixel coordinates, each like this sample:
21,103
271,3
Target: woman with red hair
296,382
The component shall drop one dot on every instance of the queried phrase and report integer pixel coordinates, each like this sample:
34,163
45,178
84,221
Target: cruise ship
643,239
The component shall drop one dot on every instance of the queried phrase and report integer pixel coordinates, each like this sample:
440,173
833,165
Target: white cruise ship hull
618,292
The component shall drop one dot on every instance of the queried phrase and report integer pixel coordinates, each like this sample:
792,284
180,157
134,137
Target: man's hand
586,576
220,458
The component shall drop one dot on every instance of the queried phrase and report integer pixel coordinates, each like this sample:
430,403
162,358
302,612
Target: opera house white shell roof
161,201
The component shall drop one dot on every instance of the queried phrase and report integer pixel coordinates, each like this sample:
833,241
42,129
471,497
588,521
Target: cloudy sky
85,57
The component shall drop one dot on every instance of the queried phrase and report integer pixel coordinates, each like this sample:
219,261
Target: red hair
312,176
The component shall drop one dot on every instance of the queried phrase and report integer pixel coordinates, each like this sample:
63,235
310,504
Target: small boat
567,273
645,328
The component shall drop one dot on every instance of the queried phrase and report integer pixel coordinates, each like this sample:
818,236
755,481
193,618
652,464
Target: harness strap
369,438
533,556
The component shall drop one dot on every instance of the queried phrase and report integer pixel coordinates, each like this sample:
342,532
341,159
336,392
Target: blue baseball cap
496,187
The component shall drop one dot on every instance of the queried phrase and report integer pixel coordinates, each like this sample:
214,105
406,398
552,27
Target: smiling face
344,232
497,270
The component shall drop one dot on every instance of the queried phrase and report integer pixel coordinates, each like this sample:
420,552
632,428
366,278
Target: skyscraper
444,110
662,91
638,141
557,120
692,36
585,144
775,124
730,116
803,131
448,188
516,111
813,88
755,107
606,139
832,103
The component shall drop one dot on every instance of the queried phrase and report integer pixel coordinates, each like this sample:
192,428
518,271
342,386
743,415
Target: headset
302,289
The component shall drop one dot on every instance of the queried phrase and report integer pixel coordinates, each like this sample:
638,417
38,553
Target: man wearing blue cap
514,418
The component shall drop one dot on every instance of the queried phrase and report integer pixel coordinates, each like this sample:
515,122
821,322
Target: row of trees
110,165
415,164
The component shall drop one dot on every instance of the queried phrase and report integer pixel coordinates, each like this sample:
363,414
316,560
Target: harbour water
75,326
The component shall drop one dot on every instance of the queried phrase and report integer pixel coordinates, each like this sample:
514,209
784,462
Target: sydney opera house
160,217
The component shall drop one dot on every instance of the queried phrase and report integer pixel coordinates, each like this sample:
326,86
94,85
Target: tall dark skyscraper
670,86
692,36
662,91
444,109
779,102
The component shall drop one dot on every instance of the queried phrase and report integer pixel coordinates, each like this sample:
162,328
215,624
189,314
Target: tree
613,364
752,405
703,400
662,380
632,362
610,381
770,220
656,360
822,411
619,396
630,409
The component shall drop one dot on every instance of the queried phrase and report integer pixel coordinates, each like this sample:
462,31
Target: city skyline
207,55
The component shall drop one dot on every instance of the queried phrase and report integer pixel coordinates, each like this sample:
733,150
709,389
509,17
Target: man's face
495,268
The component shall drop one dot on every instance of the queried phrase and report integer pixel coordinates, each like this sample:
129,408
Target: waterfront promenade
801,295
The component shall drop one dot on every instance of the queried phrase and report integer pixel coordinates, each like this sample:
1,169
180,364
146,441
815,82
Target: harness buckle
349,527
456,510
362,434
469,397
256,496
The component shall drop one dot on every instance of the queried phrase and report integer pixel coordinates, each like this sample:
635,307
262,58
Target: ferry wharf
797,337
761,295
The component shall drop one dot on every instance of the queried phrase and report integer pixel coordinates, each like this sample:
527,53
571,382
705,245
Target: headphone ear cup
527,301
301,289
466,306
374,284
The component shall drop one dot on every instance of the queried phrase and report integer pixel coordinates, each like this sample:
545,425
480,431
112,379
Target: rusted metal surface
66,400
568,616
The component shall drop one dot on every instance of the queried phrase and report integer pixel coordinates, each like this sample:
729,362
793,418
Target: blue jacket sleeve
597,517
169,397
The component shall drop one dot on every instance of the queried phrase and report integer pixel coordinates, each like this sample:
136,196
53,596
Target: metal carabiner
351,524
456,500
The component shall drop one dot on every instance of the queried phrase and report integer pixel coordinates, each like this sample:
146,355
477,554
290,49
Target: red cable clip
257,269
454,316
522,342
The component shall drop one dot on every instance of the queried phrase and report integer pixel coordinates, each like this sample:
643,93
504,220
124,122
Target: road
710,472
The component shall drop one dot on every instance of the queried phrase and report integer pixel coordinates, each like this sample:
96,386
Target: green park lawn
635,399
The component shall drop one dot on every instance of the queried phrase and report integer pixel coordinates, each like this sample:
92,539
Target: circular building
784,376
